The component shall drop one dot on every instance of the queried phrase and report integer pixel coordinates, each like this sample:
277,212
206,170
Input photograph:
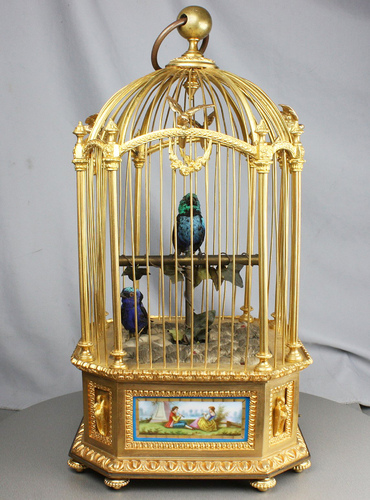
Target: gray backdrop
61,60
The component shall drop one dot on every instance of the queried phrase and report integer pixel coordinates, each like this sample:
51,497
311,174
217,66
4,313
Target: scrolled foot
264,484
303,466
116,484
76,465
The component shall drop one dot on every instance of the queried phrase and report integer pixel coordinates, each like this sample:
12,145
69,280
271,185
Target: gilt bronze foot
116,484
77,466
264,484
302,466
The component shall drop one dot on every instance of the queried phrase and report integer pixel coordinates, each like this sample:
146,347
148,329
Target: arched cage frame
244,145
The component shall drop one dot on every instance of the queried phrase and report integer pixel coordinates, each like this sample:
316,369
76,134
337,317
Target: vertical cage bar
118,352
215,183
238,205
227,182
234,221
161,287
246,316
91,251
294,354
137,212
219,240
264,354
101,245
133,252
207,222
125,225
147,251
174,208
246,308
274,221
282,317
190,275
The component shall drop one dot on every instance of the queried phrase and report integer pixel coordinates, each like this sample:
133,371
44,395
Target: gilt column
80,161
262,163
112,161
295,165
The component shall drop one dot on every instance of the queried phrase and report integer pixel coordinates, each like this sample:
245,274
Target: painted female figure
207,422
174,420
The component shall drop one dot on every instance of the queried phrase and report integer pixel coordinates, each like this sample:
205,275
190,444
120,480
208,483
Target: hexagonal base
128,428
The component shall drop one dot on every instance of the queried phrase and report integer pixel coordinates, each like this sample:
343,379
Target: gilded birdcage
189,209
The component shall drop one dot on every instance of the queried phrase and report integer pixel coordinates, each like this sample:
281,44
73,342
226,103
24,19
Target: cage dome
179,119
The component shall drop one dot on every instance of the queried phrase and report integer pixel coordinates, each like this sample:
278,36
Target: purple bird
128,311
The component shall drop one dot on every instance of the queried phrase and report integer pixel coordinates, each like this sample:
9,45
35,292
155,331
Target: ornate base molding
145,467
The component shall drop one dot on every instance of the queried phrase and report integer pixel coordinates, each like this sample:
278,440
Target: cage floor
218,346
226,346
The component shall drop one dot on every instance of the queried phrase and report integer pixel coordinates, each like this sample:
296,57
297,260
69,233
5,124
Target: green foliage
200,325
183,339
134,273
200,273
227,274
214,276
170,271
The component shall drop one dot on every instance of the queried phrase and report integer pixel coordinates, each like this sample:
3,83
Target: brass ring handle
167,31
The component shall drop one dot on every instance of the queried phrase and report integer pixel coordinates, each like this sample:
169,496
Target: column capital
80,164
112,164
262,161
262,166
296,165
112,156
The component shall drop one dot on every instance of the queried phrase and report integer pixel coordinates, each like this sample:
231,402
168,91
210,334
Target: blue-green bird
183,220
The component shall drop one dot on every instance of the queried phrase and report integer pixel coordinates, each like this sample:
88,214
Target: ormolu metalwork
145,374
182,19
264,484
73,464
189,467
135,160
302,466
116,484
190,165
281,412
100,412
280,416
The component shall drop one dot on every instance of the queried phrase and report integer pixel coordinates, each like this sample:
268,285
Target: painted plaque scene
195,419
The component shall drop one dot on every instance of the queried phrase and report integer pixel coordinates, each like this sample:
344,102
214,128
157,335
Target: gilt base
127,431
260,471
